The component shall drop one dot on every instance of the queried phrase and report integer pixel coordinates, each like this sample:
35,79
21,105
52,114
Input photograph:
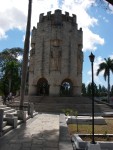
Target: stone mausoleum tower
56,56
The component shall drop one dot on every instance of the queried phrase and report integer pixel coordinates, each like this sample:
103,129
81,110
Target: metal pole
93,140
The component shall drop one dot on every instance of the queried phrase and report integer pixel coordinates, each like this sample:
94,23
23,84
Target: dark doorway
43,87
66,88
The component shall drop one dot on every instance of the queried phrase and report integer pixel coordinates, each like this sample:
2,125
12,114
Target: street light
92,57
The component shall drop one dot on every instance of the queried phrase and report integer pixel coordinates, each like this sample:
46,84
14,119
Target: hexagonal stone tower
56,56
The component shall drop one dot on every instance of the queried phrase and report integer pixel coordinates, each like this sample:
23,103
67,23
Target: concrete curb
80,144
64,137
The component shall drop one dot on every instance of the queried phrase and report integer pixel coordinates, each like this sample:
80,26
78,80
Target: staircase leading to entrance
57,104
8,114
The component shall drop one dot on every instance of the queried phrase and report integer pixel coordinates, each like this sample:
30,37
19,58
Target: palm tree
106,66
25,55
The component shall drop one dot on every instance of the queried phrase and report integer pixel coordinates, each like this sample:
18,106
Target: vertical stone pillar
22,115
54,90
30,109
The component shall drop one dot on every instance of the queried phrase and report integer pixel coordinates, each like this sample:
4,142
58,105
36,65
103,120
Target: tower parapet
57,18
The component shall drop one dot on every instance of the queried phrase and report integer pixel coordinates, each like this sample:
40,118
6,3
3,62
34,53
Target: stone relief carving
55,58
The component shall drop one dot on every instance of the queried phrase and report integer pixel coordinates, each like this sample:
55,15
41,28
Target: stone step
9,111
2,106
47,99
6,129
10,114
4,124
6,108
18,99
105,108
57,104
53,99
82,108
19,122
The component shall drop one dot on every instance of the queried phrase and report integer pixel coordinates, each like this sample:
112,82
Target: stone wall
56,53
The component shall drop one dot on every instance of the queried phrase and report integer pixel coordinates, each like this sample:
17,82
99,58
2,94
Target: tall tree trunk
108,86
25,55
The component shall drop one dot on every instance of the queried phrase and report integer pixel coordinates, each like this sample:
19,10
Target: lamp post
92,57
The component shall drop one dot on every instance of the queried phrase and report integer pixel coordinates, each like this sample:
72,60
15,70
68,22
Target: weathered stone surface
56,55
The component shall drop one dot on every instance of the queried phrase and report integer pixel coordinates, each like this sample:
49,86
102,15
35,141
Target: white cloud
90,39
13,15
42,6
2,34
110,9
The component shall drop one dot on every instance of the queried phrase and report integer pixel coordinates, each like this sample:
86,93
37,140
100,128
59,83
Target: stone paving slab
39,133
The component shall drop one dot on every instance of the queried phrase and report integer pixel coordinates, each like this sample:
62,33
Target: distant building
56,57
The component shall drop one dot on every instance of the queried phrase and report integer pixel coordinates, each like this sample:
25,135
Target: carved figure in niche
55,57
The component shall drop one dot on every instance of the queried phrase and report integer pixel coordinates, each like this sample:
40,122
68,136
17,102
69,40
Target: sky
96,21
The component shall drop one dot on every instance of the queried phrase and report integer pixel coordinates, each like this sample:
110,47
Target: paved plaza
38,133
47,131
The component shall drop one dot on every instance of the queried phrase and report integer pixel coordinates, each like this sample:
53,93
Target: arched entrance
43,87
66,88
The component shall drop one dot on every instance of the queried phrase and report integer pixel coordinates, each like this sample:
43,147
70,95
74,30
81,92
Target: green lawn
87,129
